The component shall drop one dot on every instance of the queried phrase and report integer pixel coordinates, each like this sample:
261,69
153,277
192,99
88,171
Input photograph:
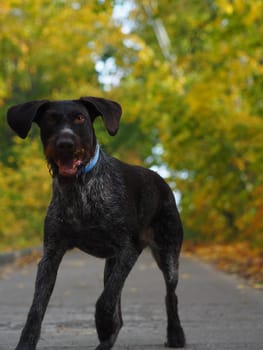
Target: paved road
217,311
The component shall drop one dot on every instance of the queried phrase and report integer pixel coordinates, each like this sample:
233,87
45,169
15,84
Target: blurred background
189,75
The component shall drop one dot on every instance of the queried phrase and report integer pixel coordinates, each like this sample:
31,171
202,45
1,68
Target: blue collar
91,164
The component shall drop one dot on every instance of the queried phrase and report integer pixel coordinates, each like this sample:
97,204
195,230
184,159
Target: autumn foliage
235,258
192,101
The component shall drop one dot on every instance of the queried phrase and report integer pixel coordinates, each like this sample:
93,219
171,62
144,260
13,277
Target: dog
102,206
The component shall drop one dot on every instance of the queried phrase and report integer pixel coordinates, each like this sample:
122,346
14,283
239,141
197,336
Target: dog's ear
109,110
20,117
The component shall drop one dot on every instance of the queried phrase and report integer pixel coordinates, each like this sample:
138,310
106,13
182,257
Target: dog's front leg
108,316
45,281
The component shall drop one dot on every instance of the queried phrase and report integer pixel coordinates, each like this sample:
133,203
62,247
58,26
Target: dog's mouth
68,165
68,168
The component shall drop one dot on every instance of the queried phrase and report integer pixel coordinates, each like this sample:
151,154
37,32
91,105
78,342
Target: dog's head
66,128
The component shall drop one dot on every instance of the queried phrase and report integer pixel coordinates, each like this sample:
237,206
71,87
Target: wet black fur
112,212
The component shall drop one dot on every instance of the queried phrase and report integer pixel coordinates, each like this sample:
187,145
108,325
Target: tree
49,49
53,50
189,77
205,108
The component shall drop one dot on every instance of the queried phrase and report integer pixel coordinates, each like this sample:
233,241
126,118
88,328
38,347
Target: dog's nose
65,144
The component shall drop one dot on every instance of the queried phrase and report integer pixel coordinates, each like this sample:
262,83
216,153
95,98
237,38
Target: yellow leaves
210,122
4,8
208,116
249,11
240,6
24,194
255,12
226,6
145,55
24,48
205,91
3,91
50,48
240,163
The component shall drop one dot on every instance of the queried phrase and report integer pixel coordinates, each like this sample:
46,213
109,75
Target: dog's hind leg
168,240
108,313
109,267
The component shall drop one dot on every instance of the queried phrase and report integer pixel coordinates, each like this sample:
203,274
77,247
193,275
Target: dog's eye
51,119
79,119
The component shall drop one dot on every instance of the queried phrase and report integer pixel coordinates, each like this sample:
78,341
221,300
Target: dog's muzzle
66,152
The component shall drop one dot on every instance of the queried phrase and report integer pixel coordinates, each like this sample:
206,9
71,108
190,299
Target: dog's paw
103,347
176,340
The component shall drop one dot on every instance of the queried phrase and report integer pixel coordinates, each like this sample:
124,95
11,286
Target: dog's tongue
68,168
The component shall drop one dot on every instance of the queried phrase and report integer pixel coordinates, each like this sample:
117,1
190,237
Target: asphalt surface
218,311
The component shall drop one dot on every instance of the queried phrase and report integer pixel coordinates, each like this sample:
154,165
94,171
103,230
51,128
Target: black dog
102,206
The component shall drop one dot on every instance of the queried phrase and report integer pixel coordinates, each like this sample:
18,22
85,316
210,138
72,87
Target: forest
189,76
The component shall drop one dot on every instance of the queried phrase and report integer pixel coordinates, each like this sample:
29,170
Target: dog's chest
87,212
83,207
